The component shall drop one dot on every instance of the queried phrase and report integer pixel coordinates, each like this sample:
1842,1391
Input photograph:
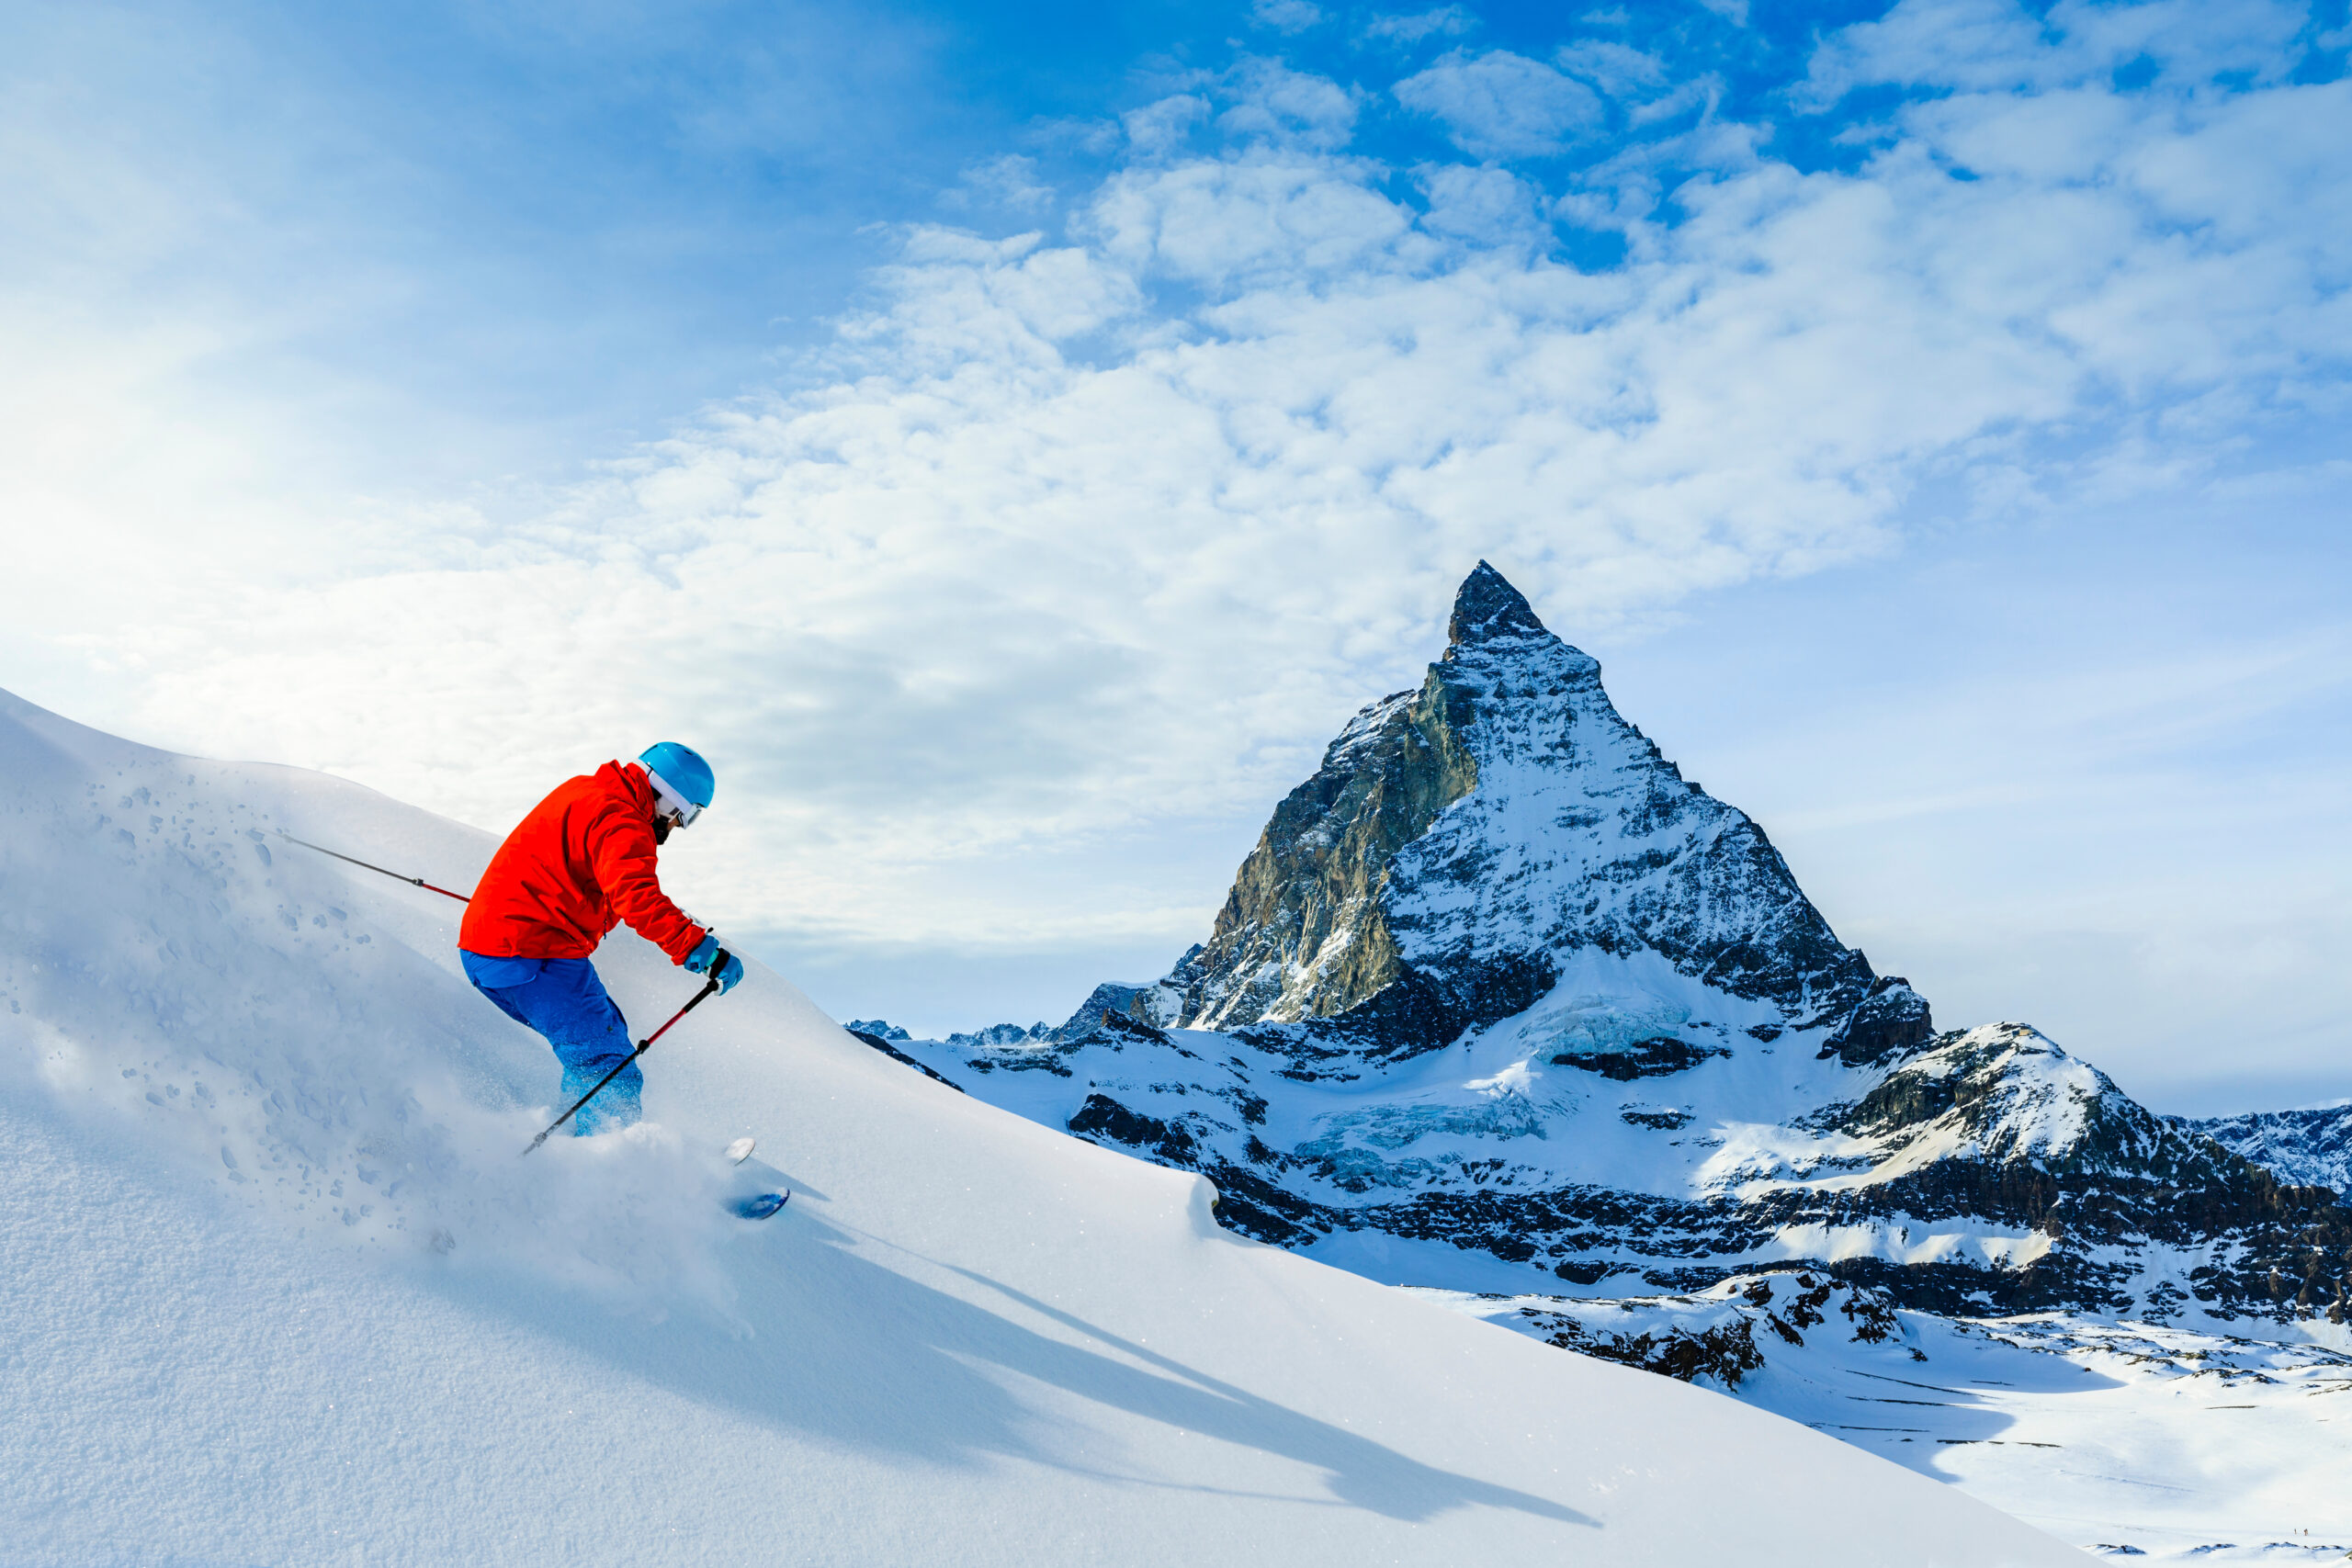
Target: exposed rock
1105,1118
998,1035
1302,934
1643,1059
1891,1019
1153,1004
1713,1333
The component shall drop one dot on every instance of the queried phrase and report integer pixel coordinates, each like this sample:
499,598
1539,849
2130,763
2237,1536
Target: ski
756,1203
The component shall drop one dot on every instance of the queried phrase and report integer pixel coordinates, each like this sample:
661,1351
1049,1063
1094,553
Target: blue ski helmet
680,777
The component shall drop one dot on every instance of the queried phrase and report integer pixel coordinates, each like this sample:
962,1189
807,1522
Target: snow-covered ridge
279,1288
2309,1148
2005,1092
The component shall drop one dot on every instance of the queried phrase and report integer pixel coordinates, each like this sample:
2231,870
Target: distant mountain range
2311,1148
1502,1001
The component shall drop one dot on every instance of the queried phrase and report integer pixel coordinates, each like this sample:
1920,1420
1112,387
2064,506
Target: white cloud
1500,105
1445,22
1220,223
1009,182
1272,103
1161,128
1484,205
1998,45
1615,69
1084,538
1285,16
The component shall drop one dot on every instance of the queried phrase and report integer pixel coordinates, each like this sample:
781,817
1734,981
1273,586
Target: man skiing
577,865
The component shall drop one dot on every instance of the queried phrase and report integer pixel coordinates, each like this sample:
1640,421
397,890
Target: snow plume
1004,572
189,985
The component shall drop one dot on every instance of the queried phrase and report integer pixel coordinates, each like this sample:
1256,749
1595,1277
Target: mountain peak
1487,606
1466,845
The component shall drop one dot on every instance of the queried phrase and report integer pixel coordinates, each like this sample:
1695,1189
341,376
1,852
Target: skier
579,864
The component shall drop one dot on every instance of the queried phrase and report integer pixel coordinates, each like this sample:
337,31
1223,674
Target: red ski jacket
577,865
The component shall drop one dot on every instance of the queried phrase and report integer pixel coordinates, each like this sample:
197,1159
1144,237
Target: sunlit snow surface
2126,1436
276,1287
2136,1437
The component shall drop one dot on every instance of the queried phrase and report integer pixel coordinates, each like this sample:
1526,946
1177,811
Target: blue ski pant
564,1001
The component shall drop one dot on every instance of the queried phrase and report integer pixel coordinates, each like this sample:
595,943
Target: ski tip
740,1150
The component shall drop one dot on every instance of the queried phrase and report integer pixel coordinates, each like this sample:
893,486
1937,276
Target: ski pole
412,881
710,987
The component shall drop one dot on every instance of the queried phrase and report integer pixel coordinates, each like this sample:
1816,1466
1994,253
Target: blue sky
1011,442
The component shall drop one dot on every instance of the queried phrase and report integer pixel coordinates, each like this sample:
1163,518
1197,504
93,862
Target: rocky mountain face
1501,1001
1460,841
2313,1147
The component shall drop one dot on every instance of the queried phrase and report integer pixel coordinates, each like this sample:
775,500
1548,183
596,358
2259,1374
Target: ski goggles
673,804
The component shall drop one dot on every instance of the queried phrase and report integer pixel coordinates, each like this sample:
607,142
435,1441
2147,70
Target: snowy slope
2139,1438
276,1287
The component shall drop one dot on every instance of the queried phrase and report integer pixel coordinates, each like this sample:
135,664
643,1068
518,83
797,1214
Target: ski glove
707,952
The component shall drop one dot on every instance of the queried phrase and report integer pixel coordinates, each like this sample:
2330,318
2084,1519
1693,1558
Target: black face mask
661,826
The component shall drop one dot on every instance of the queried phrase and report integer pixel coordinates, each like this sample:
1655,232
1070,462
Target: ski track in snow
277,1287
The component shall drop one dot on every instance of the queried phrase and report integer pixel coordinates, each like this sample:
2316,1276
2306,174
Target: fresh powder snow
278,1287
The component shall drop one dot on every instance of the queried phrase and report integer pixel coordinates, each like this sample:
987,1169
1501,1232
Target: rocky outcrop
882,1043
1153,1004
1713,1335
1303,933
1642,1060
1891,1019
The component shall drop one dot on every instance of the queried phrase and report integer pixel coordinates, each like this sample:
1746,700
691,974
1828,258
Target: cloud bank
1081,534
